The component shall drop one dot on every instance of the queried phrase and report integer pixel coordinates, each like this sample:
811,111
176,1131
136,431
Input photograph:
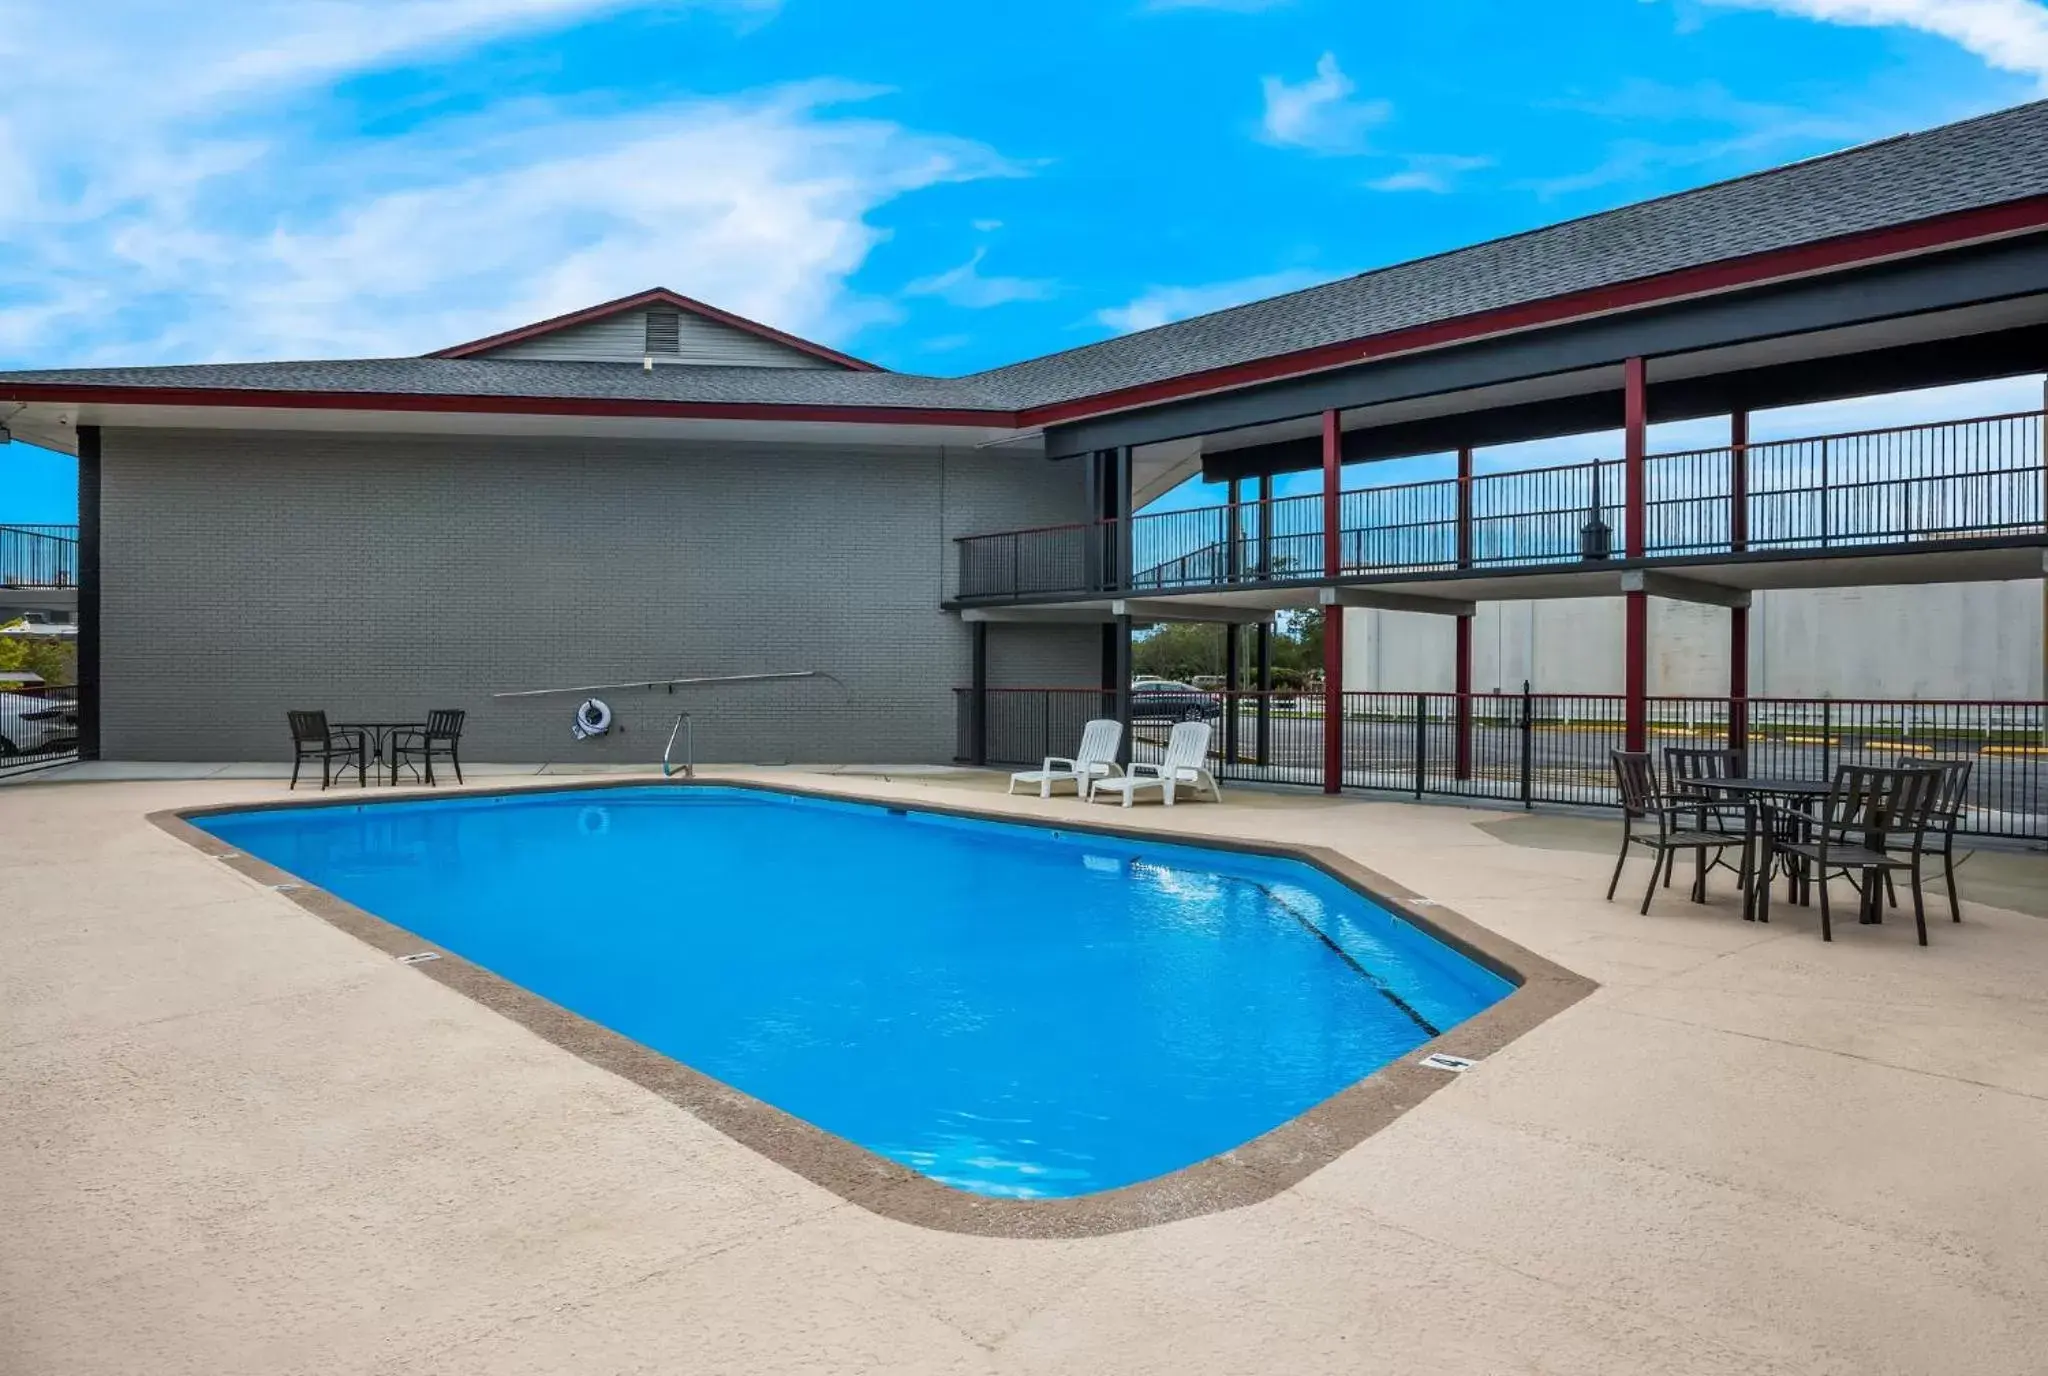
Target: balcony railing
1953,479
38,556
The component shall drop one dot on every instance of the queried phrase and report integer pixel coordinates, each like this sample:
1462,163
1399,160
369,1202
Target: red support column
1636,626
1462,686
1738,617
1333,485
1333,617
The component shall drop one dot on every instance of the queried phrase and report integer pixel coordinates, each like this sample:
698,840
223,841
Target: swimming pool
1010,1010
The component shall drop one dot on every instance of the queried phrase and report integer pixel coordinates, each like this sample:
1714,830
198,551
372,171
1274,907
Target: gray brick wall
245,574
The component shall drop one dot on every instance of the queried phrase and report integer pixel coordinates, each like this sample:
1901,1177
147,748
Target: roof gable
658,324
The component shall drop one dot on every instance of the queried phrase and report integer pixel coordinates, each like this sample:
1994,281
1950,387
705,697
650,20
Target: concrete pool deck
238,1140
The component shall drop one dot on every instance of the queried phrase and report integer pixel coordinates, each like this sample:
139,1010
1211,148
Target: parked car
32,725
1165,699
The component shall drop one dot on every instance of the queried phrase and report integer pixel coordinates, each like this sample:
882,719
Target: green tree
1178,649
1183,649
1298,641
51,659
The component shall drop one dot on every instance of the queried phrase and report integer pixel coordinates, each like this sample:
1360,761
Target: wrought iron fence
1891,486
1218,546
38,727
38,556
1050,559
1980,477
1528,748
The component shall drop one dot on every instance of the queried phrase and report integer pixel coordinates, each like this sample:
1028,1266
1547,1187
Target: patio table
378,734
1753,791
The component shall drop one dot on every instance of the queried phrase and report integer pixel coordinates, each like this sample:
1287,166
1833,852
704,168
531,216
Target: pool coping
1245,1175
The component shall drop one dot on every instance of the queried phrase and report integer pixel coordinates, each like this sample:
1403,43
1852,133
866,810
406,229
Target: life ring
593,718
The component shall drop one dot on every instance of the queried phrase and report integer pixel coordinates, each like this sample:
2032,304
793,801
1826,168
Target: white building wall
1955,640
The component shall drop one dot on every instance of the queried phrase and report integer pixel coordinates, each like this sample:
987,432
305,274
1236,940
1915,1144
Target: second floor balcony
1861,492
38,556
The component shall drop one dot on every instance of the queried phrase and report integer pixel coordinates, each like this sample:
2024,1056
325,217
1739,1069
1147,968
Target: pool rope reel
593,718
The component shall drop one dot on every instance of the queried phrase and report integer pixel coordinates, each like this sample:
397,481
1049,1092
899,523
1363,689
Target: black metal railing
37,556
38,727
1219,546
1530,748
1951,479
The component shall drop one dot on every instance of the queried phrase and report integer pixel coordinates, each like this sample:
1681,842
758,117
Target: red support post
1636,626
1738,617
1333,617
1333,486
1738,482
1462,684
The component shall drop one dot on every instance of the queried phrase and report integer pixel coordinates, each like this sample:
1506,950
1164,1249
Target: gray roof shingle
1979,162
1966,166
520,377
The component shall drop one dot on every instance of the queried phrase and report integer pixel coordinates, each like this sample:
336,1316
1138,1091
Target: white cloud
206,213
966,286
2011,35
1432,172
1741,133
1163,305
1319,114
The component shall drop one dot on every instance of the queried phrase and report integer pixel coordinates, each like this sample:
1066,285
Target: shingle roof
537,378
1977,163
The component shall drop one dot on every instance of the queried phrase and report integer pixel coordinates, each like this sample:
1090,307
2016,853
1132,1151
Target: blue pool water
1009,1010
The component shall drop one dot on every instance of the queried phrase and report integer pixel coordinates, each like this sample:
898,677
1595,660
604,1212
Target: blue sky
938,188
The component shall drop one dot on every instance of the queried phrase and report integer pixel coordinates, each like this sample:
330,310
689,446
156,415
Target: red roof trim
254,398
1946,231
664,297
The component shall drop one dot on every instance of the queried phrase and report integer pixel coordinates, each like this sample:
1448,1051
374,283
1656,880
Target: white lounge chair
1093,762
1186,766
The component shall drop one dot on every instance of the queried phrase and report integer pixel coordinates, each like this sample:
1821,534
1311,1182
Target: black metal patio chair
1641,802
441,736
1689,772
1945,815
1873,822
314,739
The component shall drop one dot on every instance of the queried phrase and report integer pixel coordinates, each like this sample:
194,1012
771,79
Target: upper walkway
1951,501
38,556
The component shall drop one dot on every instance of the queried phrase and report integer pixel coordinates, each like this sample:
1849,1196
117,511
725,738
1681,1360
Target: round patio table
1753,790
378,735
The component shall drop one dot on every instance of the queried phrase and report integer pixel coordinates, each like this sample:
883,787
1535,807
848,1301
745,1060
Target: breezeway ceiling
1158,468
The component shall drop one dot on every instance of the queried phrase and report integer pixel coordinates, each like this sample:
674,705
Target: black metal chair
1690,772
441,736
1874,822
1945,814
314,739
1641,802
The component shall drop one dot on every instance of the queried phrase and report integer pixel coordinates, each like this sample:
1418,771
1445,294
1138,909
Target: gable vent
664,332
